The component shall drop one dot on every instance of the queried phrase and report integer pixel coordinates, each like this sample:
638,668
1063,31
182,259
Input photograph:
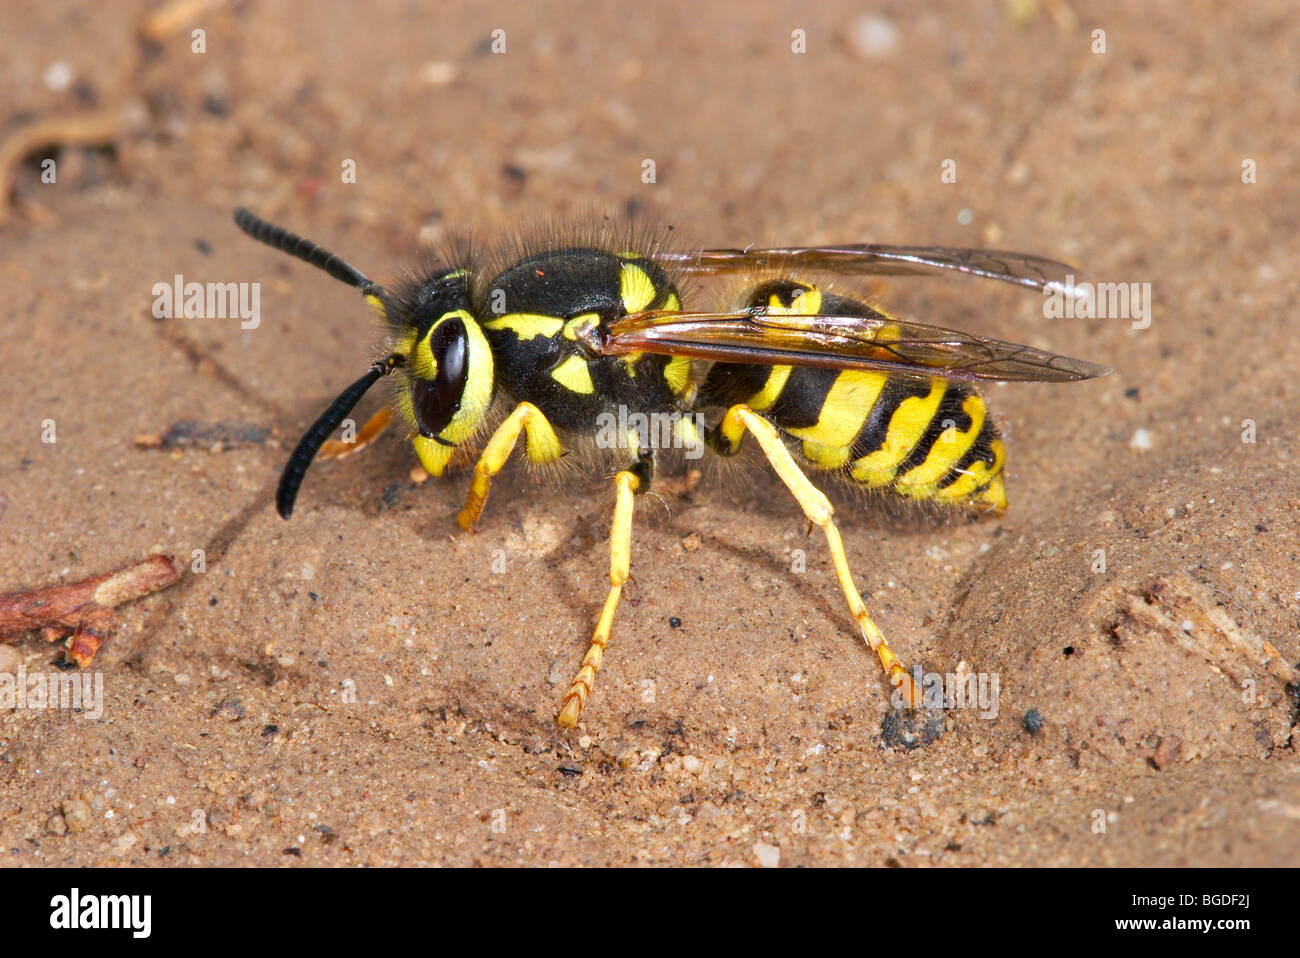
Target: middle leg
626,483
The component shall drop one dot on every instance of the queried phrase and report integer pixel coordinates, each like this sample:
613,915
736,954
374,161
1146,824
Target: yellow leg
620,562
818,509
543,446
334,449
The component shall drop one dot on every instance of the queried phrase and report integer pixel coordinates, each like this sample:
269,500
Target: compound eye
437,400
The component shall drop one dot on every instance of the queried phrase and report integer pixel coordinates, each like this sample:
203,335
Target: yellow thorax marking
678,374
629,362
527,325
579,325
636,288
574,376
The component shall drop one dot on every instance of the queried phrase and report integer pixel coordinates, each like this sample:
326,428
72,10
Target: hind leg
817,508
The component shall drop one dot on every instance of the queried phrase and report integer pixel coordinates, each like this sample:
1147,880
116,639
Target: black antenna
303,453
305,250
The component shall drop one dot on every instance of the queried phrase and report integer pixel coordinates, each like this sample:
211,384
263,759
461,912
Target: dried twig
84,609
95,129
1185,612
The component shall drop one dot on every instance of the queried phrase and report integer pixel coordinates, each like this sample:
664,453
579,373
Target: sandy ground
360,686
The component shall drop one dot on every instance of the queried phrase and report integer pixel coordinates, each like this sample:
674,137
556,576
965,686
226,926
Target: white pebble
769,856
438,73
59,76
1141,441
874,36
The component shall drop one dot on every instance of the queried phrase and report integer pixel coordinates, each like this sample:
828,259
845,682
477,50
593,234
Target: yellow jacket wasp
569,334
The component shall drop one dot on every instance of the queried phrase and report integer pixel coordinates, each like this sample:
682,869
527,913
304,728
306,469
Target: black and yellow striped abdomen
923,438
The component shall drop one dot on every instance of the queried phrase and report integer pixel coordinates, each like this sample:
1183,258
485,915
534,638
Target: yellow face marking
636,289
406,342
948,448
474,400
527,325
580,324
574,376
677,374
771,389
848,403
906,427
433,455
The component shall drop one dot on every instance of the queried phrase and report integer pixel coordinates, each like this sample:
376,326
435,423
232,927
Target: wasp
558,340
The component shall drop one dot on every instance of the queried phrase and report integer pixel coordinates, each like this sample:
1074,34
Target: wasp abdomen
920,437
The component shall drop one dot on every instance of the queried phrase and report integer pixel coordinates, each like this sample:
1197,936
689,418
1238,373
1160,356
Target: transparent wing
872,341
1022,269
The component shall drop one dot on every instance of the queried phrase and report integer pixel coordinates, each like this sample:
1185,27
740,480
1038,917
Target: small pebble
769,856
1141,441
873,36
76,814
437,72
59,76
1033,722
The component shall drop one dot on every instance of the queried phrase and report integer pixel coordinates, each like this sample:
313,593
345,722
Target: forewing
840,342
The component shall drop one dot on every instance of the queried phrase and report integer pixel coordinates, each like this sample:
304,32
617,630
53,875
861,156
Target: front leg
543,445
